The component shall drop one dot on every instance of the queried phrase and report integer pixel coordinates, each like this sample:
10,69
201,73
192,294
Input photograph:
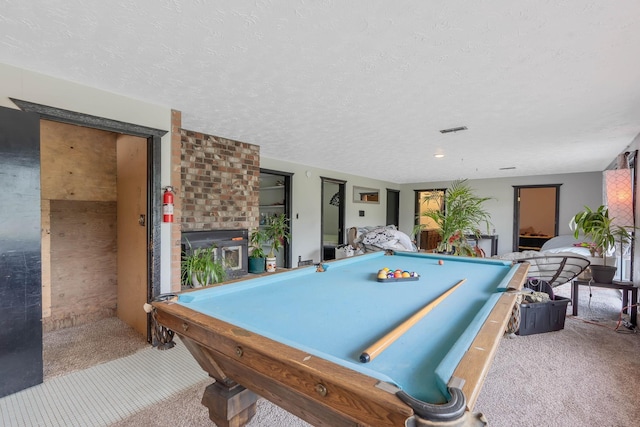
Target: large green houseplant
199,267
461,214
277,232
604,235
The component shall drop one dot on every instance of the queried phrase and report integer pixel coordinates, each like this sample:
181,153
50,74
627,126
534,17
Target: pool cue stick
374,350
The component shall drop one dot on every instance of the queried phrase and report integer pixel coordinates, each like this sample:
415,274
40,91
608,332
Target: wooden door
132,231
20,257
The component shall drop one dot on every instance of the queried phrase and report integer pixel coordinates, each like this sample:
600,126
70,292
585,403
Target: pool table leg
229,406
229,403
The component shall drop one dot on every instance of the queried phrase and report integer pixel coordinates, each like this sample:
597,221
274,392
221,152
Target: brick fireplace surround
216,183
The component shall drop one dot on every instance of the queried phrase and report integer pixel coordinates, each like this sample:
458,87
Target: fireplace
231,248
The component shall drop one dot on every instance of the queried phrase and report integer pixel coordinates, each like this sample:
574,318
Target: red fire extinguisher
167,205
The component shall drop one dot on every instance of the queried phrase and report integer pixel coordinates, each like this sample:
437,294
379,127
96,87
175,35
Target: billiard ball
441,262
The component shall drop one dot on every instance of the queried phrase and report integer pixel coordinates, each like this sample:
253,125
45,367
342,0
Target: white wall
37,88
576,191
306,203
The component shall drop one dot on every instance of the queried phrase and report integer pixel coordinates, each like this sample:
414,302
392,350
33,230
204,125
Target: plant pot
271,264
256,265
602,273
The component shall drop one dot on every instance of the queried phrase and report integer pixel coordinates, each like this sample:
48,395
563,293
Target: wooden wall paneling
78,163
83,262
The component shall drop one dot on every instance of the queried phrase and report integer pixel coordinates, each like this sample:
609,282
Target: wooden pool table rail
473,368
290,378
319,391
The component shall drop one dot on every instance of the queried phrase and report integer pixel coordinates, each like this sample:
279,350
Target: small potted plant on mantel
277,231
199,267
597,226
257,241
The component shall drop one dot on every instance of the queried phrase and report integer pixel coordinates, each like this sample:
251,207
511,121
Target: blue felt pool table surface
338,313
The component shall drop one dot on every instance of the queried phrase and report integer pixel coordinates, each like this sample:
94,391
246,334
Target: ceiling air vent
459,128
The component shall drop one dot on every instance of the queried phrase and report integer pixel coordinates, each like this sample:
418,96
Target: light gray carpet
72,349
584,375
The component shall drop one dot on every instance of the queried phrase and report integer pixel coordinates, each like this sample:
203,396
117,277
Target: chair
555,269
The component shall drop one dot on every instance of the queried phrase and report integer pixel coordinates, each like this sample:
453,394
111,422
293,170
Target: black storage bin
539,317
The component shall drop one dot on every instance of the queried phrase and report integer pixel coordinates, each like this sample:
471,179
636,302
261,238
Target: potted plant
461,214
257,240
277,231
200,268
604,234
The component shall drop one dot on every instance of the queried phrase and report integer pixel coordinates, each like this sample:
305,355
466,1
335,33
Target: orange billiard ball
441,262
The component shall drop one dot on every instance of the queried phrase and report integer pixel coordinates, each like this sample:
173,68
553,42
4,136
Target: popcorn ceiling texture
220,181
361,86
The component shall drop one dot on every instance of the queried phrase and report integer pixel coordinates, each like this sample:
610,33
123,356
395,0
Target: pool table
296,338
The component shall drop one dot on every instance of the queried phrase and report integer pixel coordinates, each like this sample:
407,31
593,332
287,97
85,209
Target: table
295,338
629,295
492,237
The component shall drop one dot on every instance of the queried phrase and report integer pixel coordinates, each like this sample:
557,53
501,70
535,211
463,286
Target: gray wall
576,191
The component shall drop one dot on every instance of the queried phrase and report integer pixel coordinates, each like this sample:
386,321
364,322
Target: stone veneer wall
216,184
220,181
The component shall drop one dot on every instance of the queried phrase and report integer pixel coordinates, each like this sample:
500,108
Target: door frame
341,197
287,208
154,192
516,210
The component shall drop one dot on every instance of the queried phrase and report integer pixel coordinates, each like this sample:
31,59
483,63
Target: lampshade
618,196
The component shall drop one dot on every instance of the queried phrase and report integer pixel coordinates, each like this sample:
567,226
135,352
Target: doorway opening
331,217
275,199
428,237
393,207
536,210
105,238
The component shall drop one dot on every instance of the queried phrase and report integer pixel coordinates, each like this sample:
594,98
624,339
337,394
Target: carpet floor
587,374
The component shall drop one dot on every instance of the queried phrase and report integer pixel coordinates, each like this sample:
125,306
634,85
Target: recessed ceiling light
438,156
457,129
507,168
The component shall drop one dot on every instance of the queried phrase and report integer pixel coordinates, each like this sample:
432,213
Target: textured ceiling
359,86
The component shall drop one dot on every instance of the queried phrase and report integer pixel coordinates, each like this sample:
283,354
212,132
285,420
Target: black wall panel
20,257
